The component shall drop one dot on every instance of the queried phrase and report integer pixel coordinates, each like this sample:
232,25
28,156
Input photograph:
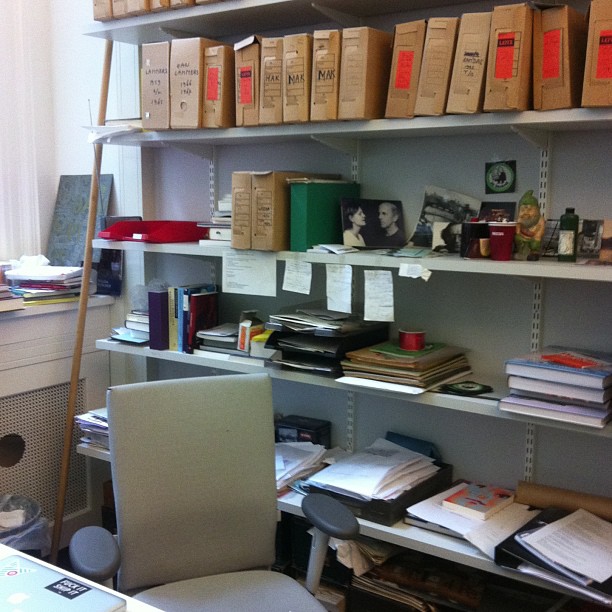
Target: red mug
411,340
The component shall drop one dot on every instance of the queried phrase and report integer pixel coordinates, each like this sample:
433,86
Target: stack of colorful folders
561,384
387,364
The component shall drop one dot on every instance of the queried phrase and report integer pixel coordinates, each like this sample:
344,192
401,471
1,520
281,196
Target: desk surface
132,604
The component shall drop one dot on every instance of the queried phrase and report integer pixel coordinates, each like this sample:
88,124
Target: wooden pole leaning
82,312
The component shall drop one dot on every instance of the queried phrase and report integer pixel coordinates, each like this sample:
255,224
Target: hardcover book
565,365
578,394
479,501
556,411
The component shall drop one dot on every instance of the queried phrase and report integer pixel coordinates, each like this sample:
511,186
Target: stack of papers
94,425
381,471
295,460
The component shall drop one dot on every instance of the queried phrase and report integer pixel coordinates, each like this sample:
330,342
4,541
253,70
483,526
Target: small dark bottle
568,236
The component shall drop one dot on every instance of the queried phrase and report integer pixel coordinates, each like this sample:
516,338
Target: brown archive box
187,81
155,86
509,75
326,54
119,8
247,57
271,85
467,87
102,10
438,56
559,47
364,73
408,43
137,7
597,86
297,73
219,87
241,210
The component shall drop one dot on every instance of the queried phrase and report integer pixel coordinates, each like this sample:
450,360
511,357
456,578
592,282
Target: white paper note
378,295
414,271
339,285
298,276
249,272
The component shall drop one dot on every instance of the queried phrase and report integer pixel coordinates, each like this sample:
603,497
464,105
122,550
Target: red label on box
246,85
551,53
504,59
403,74
604,55
212,83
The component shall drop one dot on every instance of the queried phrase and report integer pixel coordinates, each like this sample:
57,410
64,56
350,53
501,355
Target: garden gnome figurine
530,228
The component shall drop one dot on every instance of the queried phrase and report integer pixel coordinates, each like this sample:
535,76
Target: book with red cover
479,501
203,314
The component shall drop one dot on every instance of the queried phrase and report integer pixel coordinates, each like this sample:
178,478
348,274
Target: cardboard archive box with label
155,86
509,66
137,7
247,57
119,8
408,43
597,85
559,49
187,81
219,100
467,87
271,85
438,56
364,73
261,208
325,82
297,73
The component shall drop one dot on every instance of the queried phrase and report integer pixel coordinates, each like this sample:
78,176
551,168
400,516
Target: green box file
315,211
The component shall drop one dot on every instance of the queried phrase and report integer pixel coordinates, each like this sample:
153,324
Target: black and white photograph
442,206
372,224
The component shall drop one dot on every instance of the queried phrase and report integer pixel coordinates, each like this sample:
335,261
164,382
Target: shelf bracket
344,19
538,138
349,146
199,150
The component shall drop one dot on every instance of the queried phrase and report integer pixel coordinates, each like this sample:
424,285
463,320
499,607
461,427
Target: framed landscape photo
372,224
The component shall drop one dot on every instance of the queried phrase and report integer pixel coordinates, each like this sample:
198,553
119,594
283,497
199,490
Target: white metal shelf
246,365
545,268
232,18
530,124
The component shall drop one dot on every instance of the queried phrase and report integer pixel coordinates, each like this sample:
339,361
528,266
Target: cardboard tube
542,496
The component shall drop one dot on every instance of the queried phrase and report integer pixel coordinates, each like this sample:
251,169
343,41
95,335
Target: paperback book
576,393
479,501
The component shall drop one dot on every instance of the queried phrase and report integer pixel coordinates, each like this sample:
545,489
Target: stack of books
561,384
219,339
418,370
8,300
46,284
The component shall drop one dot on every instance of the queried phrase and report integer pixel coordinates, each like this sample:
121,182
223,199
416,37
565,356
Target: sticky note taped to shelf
414,271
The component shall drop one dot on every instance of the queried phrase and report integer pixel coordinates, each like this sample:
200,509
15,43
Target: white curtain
19,206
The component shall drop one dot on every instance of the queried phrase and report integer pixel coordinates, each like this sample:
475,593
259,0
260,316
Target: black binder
512,555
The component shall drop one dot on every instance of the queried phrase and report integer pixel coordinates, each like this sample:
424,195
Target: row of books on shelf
561,384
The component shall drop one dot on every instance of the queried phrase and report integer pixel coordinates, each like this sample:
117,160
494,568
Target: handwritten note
378,295
298,276
339,285
250,272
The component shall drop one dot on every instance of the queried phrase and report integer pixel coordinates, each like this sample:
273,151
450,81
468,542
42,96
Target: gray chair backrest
194,477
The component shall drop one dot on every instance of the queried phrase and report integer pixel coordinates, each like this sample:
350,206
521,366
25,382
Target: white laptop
26,585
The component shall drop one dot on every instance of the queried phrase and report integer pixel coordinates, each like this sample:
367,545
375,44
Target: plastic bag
33,533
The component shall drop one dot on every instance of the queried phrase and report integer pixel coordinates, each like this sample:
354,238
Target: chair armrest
330,516
94,553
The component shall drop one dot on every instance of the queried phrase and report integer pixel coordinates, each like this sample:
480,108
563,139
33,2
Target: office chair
193,471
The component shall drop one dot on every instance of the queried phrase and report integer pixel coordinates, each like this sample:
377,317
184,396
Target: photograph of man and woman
372,223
